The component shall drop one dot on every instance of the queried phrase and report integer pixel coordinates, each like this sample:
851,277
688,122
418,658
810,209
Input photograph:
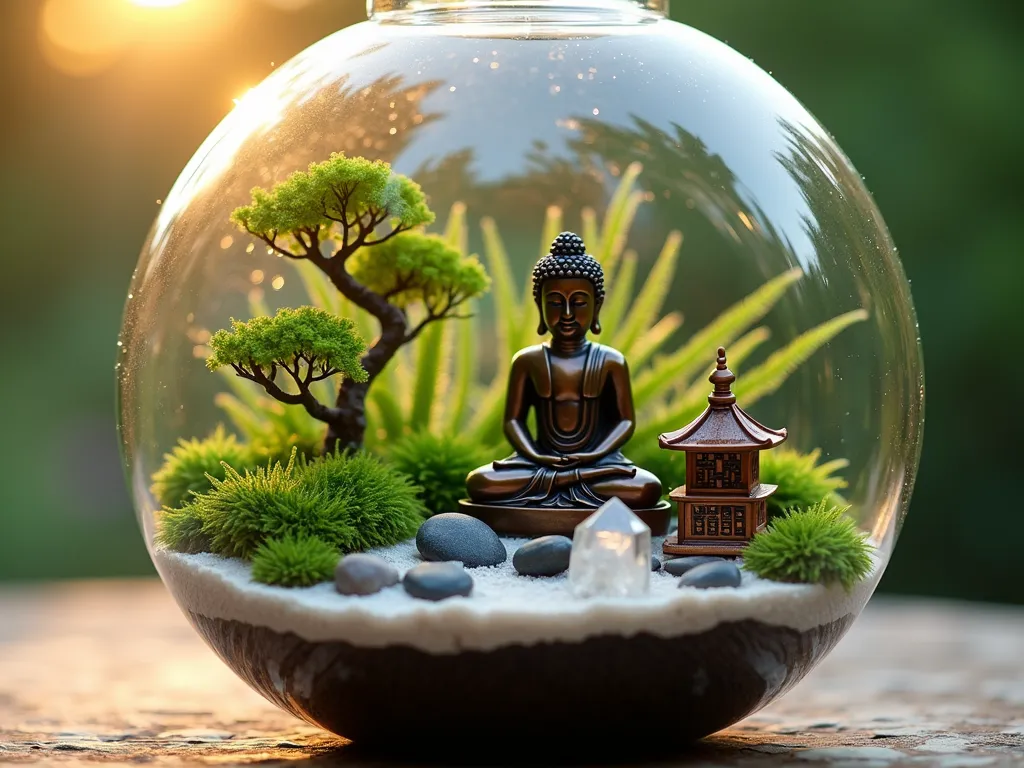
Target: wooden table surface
110,672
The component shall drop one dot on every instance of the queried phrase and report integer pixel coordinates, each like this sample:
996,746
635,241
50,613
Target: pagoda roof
723,425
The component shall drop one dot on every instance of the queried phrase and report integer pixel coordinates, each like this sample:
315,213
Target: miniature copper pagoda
722,504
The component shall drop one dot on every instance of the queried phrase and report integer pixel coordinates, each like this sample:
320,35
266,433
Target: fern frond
646,307
767,377
738,352
683,364
618,218
616,304
648,344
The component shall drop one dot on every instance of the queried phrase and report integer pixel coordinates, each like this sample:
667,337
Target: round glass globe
723,214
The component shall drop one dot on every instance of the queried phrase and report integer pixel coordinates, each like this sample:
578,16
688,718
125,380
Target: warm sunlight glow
157,3
86,37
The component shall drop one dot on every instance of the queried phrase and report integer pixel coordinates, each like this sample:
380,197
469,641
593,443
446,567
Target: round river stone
655,563
437,581
720,574
544,556
455,536
677,566
362,574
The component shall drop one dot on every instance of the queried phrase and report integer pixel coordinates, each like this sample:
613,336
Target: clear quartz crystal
611,554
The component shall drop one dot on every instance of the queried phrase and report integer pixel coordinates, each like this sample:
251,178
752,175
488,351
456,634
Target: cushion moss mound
801,479
382,505
438,464
294,561
187,469
817,545
350,502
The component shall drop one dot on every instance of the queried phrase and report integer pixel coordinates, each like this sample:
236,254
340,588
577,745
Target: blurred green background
105,101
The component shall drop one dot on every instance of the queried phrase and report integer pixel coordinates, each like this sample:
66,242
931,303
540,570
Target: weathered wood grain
110,672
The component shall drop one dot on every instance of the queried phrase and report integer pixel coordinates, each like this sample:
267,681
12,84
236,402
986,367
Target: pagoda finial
722,378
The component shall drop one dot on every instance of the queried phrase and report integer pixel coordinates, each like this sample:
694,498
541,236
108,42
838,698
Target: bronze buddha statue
581,394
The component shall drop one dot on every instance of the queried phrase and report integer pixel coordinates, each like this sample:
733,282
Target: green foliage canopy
414,267
353,193
816,545
325,344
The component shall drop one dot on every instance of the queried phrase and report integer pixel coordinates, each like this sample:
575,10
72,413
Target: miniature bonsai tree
816,545
353,218
306,344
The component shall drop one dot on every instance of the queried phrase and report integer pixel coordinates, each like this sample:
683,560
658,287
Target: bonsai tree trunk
348,431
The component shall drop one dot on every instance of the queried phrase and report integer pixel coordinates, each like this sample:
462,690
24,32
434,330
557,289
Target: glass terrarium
432,282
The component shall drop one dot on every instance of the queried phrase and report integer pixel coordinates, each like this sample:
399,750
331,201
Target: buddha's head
568,288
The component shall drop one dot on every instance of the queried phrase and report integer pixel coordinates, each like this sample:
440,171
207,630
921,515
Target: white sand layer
504,608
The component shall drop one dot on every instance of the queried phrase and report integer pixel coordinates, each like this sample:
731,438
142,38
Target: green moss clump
242,511
801,479
182,530
351,502
382,505
438,464
816,545
294,561
188,467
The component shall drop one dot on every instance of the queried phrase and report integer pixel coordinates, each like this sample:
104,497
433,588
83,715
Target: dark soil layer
644,693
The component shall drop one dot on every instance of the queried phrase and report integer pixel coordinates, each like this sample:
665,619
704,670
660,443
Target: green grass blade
552,228
618,218
318,288
507,307
620,296
647,305
670,371
654,339
429,365
246,420
456,230
463,370
590,234
767,377
389,410
613,240
485,428
258,304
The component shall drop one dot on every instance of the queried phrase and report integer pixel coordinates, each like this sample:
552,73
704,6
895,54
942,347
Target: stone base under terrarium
521,657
